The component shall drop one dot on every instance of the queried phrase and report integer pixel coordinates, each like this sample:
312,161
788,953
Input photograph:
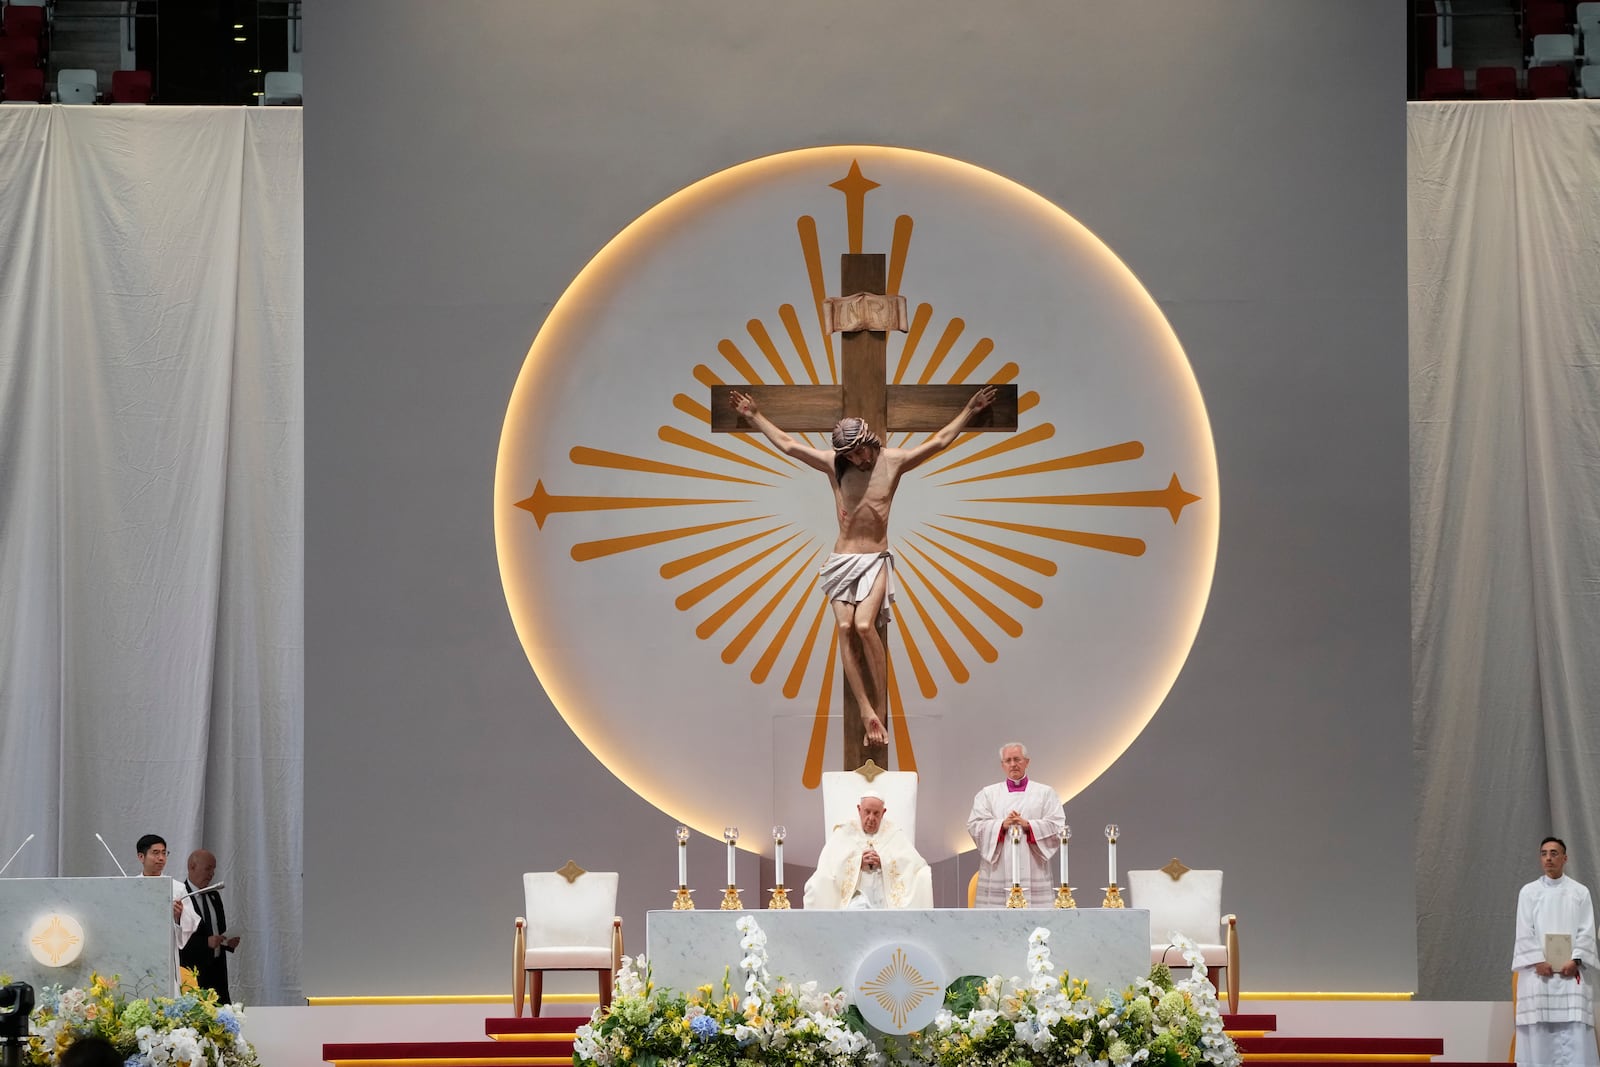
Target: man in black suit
207,949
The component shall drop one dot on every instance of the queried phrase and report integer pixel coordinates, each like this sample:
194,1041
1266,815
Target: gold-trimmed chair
1190,903
841,792
571,925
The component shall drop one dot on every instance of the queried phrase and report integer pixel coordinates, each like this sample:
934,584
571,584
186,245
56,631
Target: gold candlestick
730,899
780,899
1064,897
683,900
1113,894
1016,898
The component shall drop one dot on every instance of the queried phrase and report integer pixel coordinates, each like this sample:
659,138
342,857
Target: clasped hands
870,860
1015,819
1568,969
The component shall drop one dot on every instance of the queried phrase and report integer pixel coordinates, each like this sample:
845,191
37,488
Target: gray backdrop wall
464,161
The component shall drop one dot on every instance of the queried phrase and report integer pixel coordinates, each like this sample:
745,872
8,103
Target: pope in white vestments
1035,808
869,862
1554,960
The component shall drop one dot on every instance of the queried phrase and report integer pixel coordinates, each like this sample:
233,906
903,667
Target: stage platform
481,1031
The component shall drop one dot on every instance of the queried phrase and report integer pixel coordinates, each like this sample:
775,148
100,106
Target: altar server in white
1016,801
869,862
152,852
1555,959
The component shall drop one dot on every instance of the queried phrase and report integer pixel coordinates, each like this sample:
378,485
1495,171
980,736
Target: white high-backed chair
1189,902
571,925
841,792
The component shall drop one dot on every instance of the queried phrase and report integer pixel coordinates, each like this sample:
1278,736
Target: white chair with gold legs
571,925
1189,902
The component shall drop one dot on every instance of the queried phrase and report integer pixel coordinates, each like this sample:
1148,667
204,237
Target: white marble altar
1106,948
126,923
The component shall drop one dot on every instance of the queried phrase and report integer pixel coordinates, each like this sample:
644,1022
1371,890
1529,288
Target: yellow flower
187,981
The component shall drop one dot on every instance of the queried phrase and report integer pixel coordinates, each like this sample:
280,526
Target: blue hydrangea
704,1027
227,1020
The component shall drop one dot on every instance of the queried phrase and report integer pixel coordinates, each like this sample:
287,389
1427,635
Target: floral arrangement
1050,1021
189,1030
1043,1021
774,1023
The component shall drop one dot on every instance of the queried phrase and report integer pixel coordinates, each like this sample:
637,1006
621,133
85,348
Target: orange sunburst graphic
54,938
998,516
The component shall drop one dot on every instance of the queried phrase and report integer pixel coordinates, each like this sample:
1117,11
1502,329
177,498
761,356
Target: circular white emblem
662,576
55,939
899,988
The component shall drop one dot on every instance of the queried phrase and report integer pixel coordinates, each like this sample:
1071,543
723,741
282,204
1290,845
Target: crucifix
863,317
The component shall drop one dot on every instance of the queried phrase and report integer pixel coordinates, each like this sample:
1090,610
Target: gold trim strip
1325,996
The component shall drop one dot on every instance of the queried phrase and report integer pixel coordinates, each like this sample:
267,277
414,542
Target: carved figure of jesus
859,576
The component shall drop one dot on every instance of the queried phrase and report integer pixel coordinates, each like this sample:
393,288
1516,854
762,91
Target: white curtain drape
1505,519
151,489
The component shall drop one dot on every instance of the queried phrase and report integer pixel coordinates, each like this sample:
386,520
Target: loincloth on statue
849,576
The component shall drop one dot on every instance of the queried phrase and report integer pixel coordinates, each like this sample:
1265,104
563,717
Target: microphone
205,889
20,847
113,855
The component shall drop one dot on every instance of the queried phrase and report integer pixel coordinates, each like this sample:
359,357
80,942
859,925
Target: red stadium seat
1543,18
1546,83
18,52
1497,83
1444,83
130,87
22,21
24,85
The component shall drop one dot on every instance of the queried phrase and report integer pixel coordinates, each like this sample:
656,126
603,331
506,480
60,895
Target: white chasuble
1040,805
839,881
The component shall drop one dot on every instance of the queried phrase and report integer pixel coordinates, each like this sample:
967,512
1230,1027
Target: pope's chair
571,925
1190,903
841,792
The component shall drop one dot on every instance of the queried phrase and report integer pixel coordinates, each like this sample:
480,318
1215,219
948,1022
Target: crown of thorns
853,433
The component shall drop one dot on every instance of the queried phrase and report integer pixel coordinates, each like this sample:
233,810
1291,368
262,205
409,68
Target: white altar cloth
1108,948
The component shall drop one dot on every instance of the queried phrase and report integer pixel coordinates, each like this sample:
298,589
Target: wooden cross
863,392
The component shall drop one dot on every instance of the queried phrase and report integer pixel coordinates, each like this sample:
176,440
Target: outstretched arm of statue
946,436
745,405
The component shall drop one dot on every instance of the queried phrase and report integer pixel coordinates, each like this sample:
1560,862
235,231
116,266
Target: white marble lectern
113,926
1108,948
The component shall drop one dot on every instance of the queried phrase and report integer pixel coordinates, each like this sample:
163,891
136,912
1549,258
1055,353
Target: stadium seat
1548,83
1444,83
77,86
24,85
1497,83
130,87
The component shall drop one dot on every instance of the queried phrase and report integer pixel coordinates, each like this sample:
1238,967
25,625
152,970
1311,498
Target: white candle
683,863
1016,856
1112,860
731,879
1066,835
777,856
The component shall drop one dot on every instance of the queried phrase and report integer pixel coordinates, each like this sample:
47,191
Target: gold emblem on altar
900,988
55,940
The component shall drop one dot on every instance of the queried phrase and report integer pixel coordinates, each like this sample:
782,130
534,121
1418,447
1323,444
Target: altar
1108,948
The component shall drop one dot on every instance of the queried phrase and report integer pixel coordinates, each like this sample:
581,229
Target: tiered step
526,1042
547,1042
